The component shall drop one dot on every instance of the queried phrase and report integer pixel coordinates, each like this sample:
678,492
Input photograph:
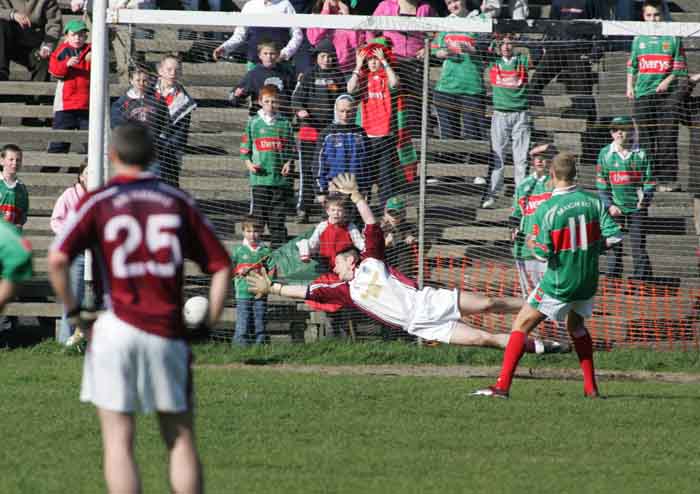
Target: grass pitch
263,431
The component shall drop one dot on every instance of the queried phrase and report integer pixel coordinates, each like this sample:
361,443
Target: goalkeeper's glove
346,183
261,285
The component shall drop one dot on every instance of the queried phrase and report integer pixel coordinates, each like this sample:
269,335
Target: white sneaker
542,346
488,203
479,181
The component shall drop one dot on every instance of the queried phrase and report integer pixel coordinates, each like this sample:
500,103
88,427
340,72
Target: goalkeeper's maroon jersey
377,289
140,230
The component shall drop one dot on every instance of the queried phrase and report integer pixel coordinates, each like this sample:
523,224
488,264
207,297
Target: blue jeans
77,283
245,310
470,109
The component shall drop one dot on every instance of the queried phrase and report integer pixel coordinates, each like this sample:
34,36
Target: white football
195,311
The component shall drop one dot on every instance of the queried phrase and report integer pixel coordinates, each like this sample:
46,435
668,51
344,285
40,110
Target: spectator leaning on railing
29,31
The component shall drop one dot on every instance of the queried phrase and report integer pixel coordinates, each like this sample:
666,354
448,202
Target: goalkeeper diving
366,282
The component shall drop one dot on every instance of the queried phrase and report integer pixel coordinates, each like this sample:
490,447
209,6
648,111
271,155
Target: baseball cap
75,26
546,151
621,122
396,204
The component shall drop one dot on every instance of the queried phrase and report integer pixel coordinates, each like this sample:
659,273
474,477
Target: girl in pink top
66,203
345,41
64,207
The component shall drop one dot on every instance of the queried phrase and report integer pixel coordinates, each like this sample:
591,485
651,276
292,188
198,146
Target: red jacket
73,88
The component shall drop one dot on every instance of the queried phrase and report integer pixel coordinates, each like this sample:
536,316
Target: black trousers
68,120
633,223
17,47
270,205
657,116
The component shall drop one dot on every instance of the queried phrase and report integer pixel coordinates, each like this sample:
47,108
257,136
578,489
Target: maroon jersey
376,289
140,230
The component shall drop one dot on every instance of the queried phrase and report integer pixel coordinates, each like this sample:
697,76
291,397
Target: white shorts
557,310
129,370
437,312
530,272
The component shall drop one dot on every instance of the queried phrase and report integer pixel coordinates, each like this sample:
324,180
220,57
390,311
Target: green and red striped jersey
14,202
509,83
654,58
531,192
570,231
626,178
269,145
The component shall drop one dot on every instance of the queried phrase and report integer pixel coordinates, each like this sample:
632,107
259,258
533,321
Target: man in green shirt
569,233
625,186
657,74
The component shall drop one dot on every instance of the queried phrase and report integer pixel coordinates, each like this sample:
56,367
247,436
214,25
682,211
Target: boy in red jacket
70,64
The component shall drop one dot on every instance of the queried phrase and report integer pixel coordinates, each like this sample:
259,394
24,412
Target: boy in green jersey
510,123
14,197
267,148
625,186
656,79
569,233
247,257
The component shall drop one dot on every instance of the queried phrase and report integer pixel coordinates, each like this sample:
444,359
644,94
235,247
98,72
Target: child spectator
70,64
408,48
180,105
459,92
139,105
14,197
268,152
653,71
247,256
313,101
290,38
625,187
400,238
64,207
383,121
14,203
332,235
342,148
511,119
345,41
268,72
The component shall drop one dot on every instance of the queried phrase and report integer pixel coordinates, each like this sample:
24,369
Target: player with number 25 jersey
141,230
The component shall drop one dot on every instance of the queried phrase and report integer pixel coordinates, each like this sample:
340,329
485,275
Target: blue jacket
342,148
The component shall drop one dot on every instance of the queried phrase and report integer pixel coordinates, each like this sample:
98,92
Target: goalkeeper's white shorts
437,312
129,370
557,310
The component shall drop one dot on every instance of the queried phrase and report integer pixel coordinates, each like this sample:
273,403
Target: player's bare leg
177,430
474,303
527,319
121,471
466,335
583,343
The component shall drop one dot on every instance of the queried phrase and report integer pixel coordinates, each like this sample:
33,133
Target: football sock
511,357
584,350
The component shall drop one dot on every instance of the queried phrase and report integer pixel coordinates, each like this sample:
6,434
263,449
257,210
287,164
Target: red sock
584,350
511,357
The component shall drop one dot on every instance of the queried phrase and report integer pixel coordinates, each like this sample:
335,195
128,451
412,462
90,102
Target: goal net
438,120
